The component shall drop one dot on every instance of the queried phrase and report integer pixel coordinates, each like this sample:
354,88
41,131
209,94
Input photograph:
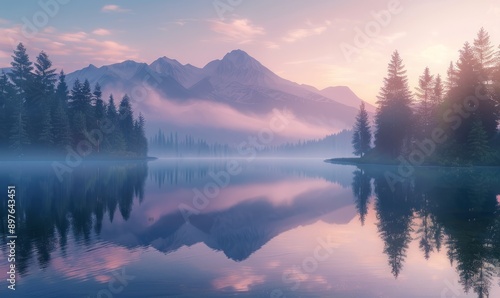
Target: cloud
114,8
238,30
101,32
298,34
240,281
76,36
271,45
83,47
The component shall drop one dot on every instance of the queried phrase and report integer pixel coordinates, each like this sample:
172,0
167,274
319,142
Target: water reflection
119,212
48,210
454,207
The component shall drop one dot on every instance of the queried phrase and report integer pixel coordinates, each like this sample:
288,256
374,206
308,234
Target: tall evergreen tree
21,71
485,55
46,138
478,145
60,121
362,136
394,119
60,128
425,106
99,110
111,111
44,73
126,121
451,78
41,103
467,82
18,139
438,91
81,98
62,93
142,149
6,110
114,141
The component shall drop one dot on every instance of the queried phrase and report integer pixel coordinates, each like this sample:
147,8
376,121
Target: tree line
452,121
174,145
39,115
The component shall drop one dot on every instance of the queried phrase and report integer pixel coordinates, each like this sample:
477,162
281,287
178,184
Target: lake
261,228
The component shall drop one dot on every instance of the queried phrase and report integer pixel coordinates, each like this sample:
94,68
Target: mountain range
226,99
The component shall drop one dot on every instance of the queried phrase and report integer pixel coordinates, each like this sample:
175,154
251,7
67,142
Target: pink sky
298,40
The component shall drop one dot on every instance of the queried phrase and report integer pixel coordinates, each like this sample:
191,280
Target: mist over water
254,234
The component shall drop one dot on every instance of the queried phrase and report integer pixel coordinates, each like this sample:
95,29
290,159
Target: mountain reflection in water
441,227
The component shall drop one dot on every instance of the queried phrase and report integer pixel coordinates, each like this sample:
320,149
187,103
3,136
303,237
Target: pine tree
46,138
143,143
21,72
438,91
6,101
79,127
467,82
114,142
111,111
87,99
484,54
18,139
425,106
22,77
394,119
477,141
496,82
62,93
126,121
44,73
362,136
99,110
81,98
60,128
451,79
41,101
98,103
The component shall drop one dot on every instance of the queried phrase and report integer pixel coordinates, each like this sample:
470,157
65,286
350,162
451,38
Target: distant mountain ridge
237,80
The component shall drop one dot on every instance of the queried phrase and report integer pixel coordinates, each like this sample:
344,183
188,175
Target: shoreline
355,161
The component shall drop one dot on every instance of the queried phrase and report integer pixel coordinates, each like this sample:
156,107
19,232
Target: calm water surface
273,228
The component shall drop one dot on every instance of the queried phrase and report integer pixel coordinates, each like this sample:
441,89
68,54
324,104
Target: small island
450,123
41,119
